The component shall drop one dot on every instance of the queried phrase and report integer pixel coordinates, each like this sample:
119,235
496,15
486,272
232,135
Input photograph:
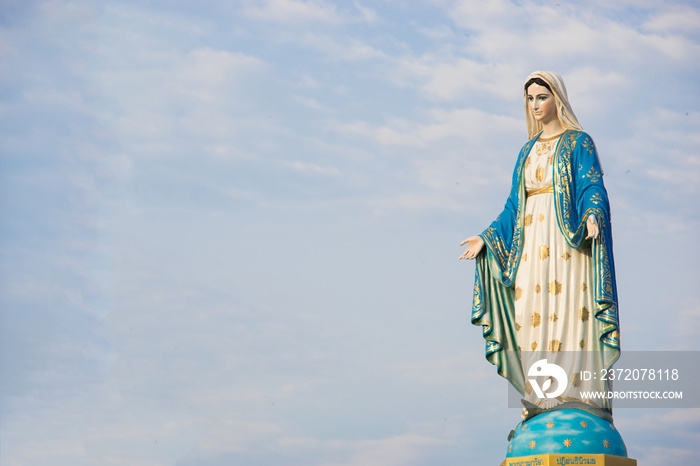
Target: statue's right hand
474,248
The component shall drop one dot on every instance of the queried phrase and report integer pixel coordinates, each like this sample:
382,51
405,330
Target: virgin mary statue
545,282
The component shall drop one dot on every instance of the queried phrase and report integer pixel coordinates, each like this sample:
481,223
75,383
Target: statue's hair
539,81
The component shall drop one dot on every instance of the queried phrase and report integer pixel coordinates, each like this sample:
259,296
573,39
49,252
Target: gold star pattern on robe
533,346
544,252
583,314
536,319
538,288
550,160
528,220
553,317
554,346
539,173
594,175
584,287
525,257
567,442
518,293
543,148
541,218
582,344
527,162
566,256
576,379
555,287
518,327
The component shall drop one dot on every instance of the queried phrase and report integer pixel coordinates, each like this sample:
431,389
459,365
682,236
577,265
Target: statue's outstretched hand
592,227
475,245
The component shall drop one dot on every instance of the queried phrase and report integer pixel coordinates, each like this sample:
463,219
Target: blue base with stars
566,431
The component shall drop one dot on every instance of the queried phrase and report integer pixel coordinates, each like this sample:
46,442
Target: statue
545,276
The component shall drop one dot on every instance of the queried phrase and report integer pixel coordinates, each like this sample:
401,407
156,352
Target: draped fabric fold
578,193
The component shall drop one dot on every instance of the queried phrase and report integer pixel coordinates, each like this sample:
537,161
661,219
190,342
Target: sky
229,230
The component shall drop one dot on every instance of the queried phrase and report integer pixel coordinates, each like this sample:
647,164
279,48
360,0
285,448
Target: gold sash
548,189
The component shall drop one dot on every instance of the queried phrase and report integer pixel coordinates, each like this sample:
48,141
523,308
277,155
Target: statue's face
541,103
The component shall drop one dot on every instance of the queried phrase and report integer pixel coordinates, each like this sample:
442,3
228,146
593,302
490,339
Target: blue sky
230,228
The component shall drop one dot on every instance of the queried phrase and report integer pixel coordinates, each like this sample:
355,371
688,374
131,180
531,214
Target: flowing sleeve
503,237
493,304
580,193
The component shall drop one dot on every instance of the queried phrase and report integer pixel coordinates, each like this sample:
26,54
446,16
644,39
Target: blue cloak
578,193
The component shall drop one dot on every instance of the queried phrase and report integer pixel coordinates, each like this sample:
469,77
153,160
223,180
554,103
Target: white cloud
368,15
231,435
464,124
205,74
336,48
394,451
682,19
447,370
308,102
311,168
292,11
566,33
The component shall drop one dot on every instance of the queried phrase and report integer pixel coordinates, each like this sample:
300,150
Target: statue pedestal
557,459
566,437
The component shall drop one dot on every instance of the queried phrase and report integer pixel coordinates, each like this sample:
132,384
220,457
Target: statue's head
550,85
541,100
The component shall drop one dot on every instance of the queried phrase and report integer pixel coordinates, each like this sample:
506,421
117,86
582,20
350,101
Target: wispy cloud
293,11
229,231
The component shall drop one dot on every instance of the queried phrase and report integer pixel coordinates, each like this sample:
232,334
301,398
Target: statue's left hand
592,227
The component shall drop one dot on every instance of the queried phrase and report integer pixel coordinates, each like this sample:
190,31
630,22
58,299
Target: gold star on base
550,424
567,443
584,424
606,444
524,426
533,444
